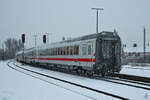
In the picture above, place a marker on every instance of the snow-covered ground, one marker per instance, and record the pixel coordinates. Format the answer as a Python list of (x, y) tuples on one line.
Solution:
[(136, 70), (18, 86), (120, 90)]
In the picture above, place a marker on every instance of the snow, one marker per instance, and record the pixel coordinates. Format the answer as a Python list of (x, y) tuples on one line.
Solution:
[(121, 90), (136, 70), (18, 86)]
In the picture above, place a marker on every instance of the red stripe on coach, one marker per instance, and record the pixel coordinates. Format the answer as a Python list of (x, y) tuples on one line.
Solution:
[(67, 59)]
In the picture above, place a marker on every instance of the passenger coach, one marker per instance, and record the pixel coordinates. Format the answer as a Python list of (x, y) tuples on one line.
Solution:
[(91, 54)]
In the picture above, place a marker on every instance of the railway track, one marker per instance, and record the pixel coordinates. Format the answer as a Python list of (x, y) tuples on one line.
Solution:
[(132, 77), (72, 83), (121, 77), (130, 81), (136, 68), (127, 83), (117, 80)]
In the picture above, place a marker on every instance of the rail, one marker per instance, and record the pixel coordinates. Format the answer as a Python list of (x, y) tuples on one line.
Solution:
[(132, 77), (72, 83)]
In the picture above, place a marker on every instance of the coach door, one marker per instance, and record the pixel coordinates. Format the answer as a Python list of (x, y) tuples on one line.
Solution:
[(89, 53), (84, 54), (113, 52), (98, 51)]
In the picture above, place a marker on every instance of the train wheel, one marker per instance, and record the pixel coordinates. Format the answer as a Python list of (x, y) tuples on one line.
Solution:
[(91, 73), (103, 72), (79, 71)]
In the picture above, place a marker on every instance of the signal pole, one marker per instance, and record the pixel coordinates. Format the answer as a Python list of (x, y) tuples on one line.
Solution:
[(48, 39), (97, 9)]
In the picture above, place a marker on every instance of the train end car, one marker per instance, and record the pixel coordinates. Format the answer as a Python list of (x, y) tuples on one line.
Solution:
[(108, 53), (90, 54)]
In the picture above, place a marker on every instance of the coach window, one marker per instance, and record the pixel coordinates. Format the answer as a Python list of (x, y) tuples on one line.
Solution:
[(89, 49), (62, 53), (58, 51), (32, 53), (71, 50), (50, 51), (84, 49), (47, 52), (63, 50), (67, 50), (54, 51), (76, 50)]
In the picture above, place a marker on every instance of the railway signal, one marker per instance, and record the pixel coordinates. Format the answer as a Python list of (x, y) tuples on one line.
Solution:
[(134, 45), (44, 38), (23, 38), (124, 45)]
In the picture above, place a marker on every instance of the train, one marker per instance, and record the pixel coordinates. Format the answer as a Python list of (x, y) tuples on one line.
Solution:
[(98, 54)]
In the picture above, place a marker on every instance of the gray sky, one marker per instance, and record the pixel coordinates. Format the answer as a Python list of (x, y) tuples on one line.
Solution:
[(73, 18)]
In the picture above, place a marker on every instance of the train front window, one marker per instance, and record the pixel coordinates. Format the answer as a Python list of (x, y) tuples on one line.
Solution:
[(108, 49)]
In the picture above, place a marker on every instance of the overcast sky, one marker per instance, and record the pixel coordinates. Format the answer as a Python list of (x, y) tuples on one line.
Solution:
[(73, 18)]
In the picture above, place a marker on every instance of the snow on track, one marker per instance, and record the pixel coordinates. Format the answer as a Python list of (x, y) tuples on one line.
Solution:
[(17, 86), (136, 70)]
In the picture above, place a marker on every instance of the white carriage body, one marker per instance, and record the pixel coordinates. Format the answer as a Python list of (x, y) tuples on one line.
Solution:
[(96, 52), (86, 59)]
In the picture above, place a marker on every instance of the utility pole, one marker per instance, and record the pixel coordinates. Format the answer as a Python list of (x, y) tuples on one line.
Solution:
[(97, 9), (35, 36), (144, 45)]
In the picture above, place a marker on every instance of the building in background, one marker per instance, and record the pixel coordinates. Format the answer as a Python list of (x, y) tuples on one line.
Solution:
[(136, 55)]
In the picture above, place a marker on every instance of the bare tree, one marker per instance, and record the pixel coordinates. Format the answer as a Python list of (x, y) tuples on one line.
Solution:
[(11, 47)]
